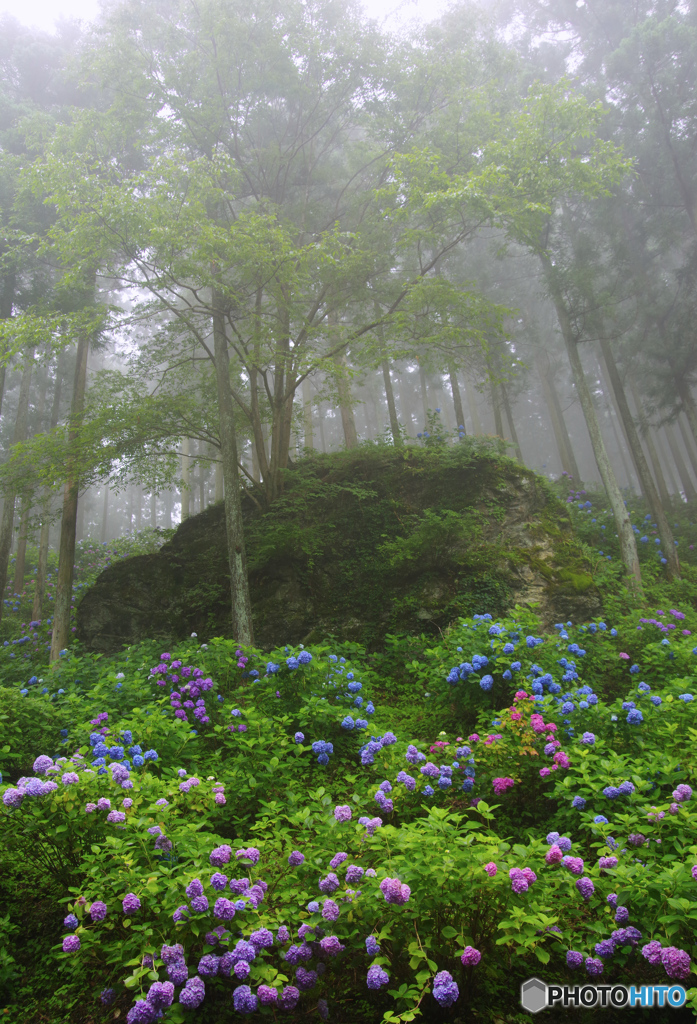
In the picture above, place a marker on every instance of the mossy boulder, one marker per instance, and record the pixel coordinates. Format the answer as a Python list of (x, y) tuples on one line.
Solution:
[(363, 543)]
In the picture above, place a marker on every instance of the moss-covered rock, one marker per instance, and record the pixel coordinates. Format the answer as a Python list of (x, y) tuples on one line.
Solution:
[(363, 543)]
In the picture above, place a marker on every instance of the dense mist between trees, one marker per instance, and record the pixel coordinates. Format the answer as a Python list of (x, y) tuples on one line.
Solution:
[(235, 234)]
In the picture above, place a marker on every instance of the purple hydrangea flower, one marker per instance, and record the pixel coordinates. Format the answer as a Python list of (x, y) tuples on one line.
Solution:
[(283, 934), (296, 858), (605, 948), (338, 859), (208, 965), (445, 990), (262, 938), (267, 996), (70, 921), (193, 993), (377, 977), (652, 952), (594, 967), (354, 873), (161, 995), (244, 999), (71, 944), (574, 959), (395, 891), (142, 1012), (342, 812), (471, 956), (289, 997), (306, 980), (372, 946), (330, 910), (131, 903), (98, 910), (220, 855), (329, 884), (585, 887), (676, 963), (171, 954), (199, 904), (331, 945)]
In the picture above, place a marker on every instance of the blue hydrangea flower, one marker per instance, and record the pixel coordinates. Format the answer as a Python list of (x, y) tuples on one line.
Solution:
[(578, 803), (486, 682), (600, 819)]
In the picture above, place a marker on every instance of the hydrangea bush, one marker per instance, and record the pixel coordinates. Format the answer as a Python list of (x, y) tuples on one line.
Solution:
[(296, 838)]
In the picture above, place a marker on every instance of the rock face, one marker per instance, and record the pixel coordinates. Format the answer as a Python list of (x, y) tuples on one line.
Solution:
[(361, 544)]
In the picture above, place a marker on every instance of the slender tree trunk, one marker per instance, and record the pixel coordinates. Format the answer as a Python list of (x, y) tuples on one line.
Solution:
[(666, 462), (45, 535), (642, 467), (169, 502), (689, 407), (472, 404), (688, 442), (80, 527), (511, 424), (345, 405), (651, 447), (40, 582), (391, 407), (559, 412), (186, 474), (242, 629), (457, 399), (8, 508), (561, 435), (614, 411), (105, 513), (309, 437), (496, 406), (219, 491), (424, 394), (622, 522), (21, 560), (7, 295), (66, 548), (687, 485), (153, 509), (320, 417)]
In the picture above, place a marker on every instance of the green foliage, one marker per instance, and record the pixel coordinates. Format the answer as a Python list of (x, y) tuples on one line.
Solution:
[(238, 772)]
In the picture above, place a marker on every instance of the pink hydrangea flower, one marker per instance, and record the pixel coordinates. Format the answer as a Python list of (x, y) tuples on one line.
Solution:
[(491, 869)]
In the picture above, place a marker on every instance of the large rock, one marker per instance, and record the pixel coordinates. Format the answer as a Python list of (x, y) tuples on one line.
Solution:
[(362, 544)]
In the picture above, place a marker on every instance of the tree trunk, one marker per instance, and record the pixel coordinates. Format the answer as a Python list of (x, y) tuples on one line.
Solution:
[(496, 406), (561, 435), (457, 399), (186, 472), (511, 424), (105, 513), (45, 535), (7, 295), (391, 407), (622, 522), (309, 438), (322, 438), (689, 407), (40, 582), (683, 472), (667, 465), (653, 455), (687, 441), (345, 406), (153, 509), (21, 560), (8, 508), (642, 467), (66, 548), (424, 394), (242, 629), (472, 403), (615, 412)]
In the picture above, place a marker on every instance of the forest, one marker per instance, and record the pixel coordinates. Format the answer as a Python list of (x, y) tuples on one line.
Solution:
[(337, 362)]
